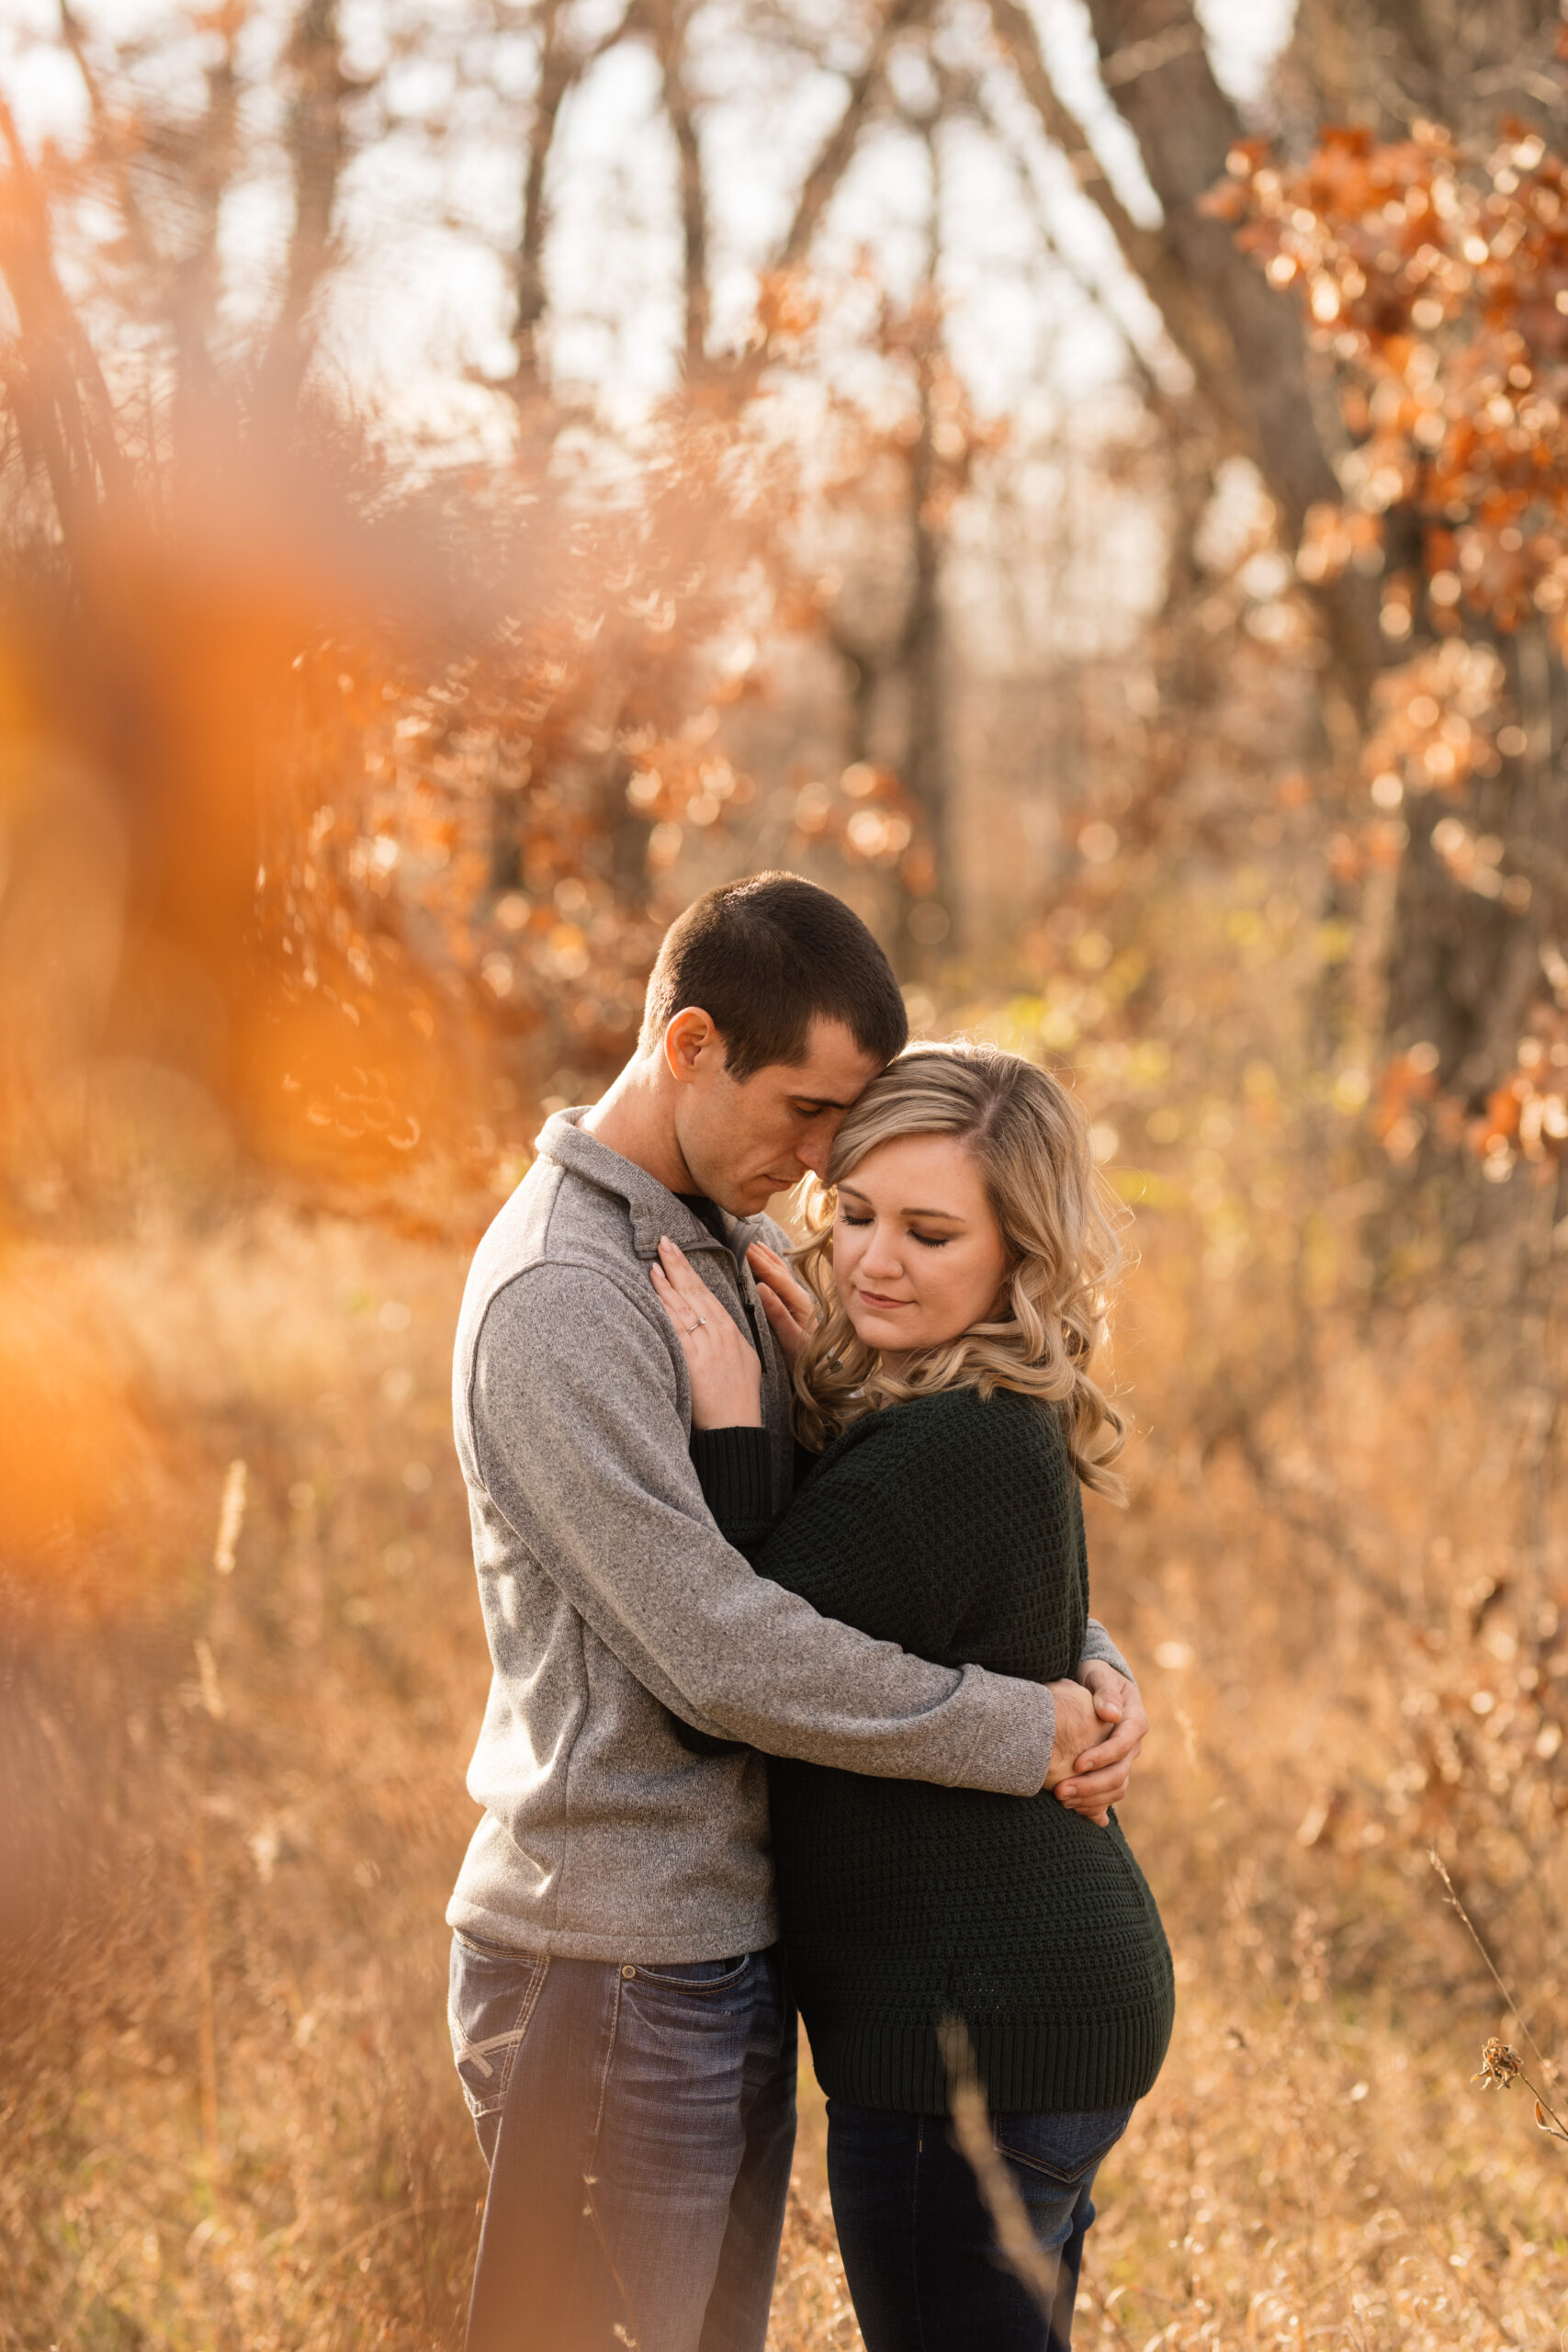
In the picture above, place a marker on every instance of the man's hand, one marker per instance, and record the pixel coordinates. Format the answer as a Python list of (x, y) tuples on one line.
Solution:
[(1099, 1775), (1076, 1727), (1090, 1769)]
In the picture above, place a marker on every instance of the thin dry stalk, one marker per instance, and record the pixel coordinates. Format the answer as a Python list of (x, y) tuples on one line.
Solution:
[(231, 1519), (207, 2035), (1512, 2007), (1038, 2272), (1499, 2063)]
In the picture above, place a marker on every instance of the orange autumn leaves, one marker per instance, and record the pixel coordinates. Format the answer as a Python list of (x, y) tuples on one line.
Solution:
[(1437, 284), (1441, 286)]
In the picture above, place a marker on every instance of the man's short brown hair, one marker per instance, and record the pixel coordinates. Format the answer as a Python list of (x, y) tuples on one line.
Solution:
[(765, 958)]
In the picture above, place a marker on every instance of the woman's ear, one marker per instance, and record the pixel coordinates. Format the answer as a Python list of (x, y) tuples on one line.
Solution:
[(1004, 1306)]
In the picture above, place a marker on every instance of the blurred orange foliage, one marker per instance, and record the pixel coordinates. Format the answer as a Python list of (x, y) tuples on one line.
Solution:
[(1438, 283)]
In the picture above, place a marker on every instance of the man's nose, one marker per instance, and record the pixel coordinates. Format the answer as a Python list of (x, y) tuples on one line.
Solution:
[(816, 1147)]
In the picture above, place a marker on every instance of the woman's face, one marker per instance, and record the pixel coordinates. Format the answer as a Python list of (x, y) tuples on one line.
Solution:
[(917, 1254)]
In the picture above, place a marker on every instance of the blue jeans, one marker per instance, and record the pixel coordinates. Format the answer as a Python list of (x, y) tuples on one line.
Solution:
[(919, 2246), (639, 2123)]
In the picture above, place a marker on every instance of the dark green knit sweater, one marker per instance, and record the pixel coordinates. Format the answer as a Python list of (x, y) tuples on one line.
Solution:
[(953, 1527)]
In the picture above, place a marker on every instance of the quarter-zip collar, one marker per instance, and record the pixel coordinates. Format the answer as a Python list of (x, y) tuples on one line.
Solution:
[(655, 1211)]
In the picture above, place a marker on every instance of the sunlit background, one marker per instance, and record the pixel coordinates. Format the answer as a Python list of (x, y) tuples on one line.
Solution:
[(1084, 481)]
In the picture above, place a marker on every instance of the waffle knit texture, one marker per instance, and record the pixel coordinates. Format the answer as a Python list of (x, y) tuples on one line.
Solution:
[(954, 1527)]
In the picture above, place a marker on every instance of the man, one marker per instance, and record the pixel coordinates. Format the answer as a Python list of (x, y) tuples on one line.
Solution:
[(619, 2016)]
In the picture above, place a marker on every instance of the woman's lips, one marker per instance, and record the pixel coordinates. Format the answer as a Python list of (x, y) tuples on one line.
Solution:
[(871, 1298)]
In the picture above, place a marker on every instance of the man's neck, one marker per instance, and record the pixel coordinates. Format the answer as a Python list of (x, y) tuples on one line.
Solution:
[(633, 1118)]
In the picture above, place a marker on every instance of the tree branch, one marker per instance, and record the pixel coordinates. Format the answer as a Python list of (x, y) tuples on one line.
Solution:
[(1197, 332), (837, 151)]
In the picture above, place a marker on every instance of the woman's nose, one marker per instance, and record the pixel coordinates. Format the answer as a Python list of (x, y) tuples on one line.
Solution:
[(880, 1256)]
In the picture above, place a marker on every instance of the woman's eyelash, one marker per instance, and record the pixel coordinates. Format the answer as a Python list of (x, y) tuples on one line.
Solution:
[(926, 1240)]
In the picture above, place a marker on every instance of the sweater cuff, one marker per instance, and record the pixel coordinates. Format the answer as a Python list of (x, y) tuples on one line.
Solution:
[(735, 1470), (1098, 1649)]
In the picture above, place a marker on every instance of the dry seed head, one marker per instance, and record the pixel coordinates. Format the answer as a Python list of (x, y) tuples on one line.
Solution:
[(1498, 2063)]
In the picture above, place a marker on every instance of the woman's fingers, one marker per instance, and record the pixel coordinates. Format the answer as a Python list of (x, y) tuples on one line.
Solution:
[(683, 1279), (673, 1286), (726, 1372), (699, 1317), (791, 1329), (787, 1329), (788, 1305), (767, 1264), (670, 1300)]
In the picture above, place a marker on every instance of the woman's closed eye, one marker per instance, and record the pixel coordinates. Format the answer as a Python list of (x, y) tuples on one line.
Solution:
[(927, 1241)]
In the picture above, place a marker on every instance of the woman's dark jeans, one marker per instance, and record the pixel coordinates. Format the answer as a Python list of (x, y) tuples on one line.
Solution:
[(919, 2250)]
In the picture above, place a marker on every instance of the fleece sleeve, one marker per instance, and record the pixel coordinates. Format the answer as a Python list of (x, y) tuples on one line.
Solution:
[(579, 1424)]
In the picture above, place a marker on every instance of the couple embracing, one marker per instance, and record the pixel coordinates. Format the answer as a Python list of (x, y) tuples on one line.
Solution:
[(797, 1697)]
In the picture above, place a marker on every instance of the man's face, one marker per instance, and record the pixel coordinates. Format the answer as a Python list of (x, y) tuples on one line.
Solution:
[(743, 1141)]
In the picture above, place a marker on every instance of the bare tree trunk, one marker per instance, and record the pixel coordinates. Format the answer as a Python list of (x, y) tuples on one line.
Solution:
[(1387, 62), (196, 273), (669, 20), (559, 70), (316, 150), (921, 654), (64, 414), (1154, 62), (1465, 968)]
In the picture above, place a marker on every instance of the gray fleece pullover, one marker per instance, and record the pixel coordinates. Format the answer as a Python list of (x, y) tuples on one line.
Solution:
[(609, 1598)]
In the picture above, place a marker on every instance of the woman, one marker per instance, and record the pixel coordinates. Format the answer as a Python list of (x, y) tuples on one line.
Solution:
[(945, 1376)]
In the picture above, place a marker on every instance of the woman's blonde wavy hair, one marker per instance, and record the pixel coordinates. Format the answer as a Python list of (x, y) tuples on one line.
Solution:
[(1059, 1220)]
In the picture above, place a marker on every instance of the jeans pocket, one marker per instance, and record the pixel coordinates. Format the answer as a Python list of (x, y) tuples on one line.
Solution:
[(1064, 2148), (702, 1978), (490, 1999)]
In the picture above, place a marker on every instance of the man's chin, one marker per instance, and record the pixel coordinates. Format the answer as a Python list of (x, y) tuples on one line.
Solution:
[(775, 1187), (754, 1195), (744, 1195)]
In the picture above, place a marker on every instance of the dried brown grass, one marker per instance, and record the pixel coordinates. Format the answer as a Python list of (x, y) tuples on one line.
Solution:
[(228, 2111)]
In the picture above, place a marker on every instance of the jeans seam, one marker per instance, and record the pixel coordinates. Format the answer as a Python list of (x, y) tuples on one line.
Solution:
[(511, 2041), (588, 2179), (915, 2235), (1043, 2167)]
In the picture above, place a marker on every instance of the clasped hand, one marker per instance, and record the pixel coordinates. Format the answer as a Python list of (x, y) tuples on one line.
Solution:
[(1101, 1723)]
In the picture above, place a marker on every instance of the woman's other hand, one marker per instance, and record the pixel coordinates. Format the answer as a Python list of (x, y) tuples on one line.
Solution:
[(788, 1305), (726, 1374)]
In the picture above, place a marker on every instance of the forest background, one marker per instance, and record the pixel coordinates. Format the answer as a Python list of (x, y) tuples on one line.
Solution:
[(1083, 479)]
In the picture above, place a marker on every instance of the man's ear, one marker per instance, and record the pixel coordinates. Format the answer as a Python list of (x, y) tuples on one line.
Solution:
[(687, 1037)]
